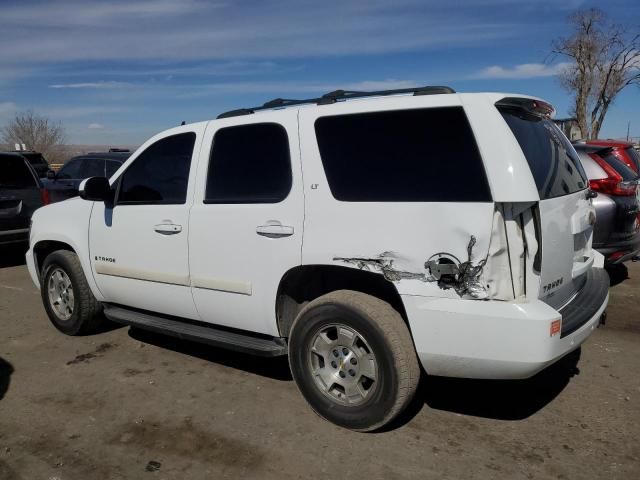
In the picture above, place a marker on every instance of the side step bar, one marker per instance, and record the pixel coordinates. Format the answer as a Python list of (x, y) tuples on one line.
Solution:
[(186, 330)]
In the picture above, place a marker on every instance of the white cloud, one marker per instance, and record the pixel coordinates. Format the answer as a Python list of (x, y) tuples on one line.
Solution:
[(7, 108), (525, 70), (91, 85), (71, 30), (95, 126)]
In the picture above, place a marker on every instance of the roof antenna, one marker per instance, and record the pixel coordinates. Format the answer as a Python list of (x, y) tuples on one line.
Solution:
[(183, 123)]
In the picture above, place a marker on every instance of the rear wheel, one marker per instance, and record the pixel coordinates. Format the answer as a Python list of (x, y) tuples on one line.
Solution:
[(352, 358), (66, 295)]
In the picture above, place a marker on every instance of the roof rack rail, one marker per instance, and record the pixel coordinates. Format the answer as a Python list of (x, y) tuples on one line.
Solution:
[(337, 95)]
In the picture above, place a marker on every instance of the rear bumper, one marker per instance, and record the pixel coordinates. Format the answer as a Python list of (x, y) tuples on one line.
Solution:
[(19, 235), (630, 249), (500, 340)]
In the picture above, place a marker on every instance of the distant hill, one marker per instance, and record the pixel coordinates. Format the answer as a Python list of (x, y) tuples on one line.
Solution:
[(65, 152)]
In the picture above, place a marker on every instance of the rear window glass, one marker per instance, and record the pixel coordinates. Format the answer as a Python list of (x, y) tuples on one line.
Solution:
[(554, 163), (421, 155), (14, 173), (619, 166), (635, 156)]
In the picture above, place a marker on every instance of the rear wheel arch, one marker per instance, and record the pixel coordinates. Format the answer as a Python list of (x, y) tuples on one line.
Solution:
[(303, 284)]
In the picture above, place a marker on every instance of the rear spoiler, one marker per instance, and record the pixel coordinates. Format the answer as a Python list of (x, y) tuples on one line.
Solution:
[(528, 105)]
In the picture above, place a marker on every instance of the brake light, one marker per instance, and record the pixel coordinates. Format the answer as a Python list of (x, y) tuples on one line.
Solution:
[(44, 194), (613, 184)]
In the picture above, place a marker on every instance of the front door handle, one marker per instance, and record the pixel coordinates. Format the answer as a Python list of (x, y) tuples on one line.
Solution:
[(274, 230), (167, 228)]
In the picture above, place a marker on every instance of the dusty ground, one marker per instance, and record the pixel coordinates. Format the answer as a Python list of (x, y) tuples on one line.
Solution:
[(126, 404)]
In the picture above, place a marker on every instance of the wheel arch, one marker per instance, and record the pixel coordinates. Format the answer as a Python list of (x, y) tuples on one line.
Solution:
[(304, 283)]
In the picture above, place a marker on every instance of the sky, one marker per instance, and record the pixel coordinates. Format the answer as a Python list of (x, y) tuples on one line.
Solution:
[(119, 71)]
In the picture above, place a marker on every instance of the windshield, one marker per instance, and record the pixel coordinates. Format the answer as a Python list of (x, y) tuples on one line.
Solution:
[(554, 163)]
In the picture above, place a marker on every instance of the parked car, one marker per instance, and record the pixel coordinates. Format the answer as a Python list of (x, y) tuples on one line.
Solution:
[(37, 161), (617, 230), (21, 193), (64, 183), (430, 227), (623, 151)]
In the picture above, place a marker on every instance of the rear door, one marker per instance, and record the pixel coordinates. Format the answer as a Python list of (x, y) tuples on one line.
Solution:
[(246, 220), (19, 194), (566, 215)]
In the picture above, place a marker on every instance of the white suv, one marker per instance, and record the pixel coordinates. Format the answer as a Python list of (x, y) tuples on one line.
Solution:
[(362, 234)]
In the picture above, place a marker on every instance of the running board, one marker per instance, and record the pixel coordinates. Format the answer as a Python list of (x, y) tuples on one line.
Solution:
[(186, 330)]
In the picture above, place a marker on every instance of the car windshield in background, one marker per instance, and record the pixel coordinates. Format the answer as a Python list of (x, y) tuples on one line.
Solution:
[(554, 163), (14, 172)]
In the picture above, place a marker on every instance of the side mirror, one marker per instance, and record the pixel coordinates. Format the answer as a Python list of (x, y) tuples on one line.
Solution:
[(96, 189), (51, 175)]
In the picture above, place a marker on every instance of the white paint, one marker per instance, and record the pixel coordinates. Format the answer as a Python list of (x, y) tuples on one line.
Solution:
[(223, 263)]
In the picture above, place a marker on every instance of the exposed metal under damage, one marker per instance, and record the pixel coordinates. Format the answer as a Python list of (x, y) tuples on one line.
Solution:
[(444, 268)]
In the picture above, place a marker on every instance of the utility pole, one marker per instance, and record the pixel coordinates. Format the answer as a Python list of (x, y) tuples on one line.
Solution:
[(628, 127)]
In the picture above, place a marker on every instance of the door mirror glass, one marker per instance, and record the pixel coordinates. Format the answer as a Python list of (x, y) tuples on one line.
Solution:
[(51, 175), (96, 189)]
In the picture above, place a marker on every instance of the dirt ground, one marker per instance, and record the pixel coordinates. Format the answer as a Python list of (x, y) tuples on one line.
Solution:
[(128, 404)]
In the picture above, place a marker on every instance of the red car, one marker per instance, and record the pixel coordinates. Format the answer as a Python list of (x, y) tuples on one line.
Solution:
[(623, 151)]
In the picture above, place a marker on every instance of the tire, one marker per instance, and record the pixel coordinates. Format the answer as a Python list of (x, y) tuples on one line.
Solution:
[(355, 326), (83, 313)]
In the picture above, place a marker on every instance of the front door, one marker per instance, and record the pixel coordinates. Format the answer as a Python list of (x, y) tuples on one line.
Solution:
[(139, 249), (246, 220)]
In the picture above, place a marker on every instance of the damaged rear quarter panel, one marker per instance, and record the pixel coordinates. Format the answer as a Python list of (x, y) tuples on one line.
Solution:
[(398, 240)]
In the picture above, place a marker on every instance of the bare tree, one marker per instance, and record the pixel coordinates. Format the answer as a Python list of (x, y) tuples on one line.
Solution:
[(37, 133), (605, 59)]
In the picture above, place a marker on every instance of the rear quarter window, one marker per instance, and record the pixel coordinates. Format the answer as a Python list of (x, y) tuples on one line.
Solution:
[(14, 173), (421, 155), (554, 163)]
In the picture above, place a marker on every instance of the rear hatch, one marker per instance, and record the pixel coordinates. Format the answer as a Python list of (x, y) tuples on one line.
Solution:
[(564, 214), (20, 194)]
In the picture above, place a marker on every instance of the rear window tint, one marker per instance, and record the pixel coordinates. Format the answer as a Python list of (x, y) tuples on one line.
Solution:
[(635, 156), (553, 162), (14, 173), (619, 166), (421, 155)]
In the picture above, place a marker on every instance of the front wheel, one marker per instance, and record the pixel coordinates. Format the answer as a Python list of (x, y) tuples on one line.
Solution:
[(353, 359), (66, 295)]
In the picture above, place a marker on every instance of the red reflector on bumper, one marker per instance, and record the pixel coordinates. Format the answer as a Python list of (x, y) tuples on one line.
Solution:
[(556, 326)]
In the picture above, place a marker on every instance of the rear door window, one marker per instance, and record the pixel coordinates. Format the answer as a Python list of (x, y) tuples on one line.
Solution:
[(553, 162), (249, 164), (419, 155), (14, 173)]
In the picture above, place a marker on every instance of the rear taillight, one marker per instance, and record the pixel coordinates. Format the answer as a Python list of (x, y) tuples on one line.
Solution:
[(613, 184), (44, 194)]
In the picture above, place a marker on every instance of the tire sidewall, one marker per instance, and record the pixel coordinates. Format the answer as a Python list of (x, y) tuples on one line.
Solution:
[(73, 325), (375, 409)]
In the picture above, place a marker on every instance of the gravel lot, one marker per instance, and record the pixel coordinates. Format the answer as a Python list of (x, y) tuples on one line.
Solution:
[(128, 404)]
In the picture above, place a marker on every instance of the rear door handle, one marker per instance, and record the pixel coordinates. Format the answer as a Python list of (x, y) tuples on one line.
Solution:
[(274, 230), (167, 228)]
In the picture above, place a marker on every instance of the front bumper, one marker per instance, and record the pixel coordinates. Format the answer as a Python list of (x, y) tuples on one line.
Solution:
[(31, 267), (500, 340)]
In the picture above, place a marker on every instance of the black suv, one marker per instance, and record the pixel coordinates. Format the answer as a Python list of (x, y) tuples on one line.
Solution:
[(64, 184), (21, 193), (36, 160)]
